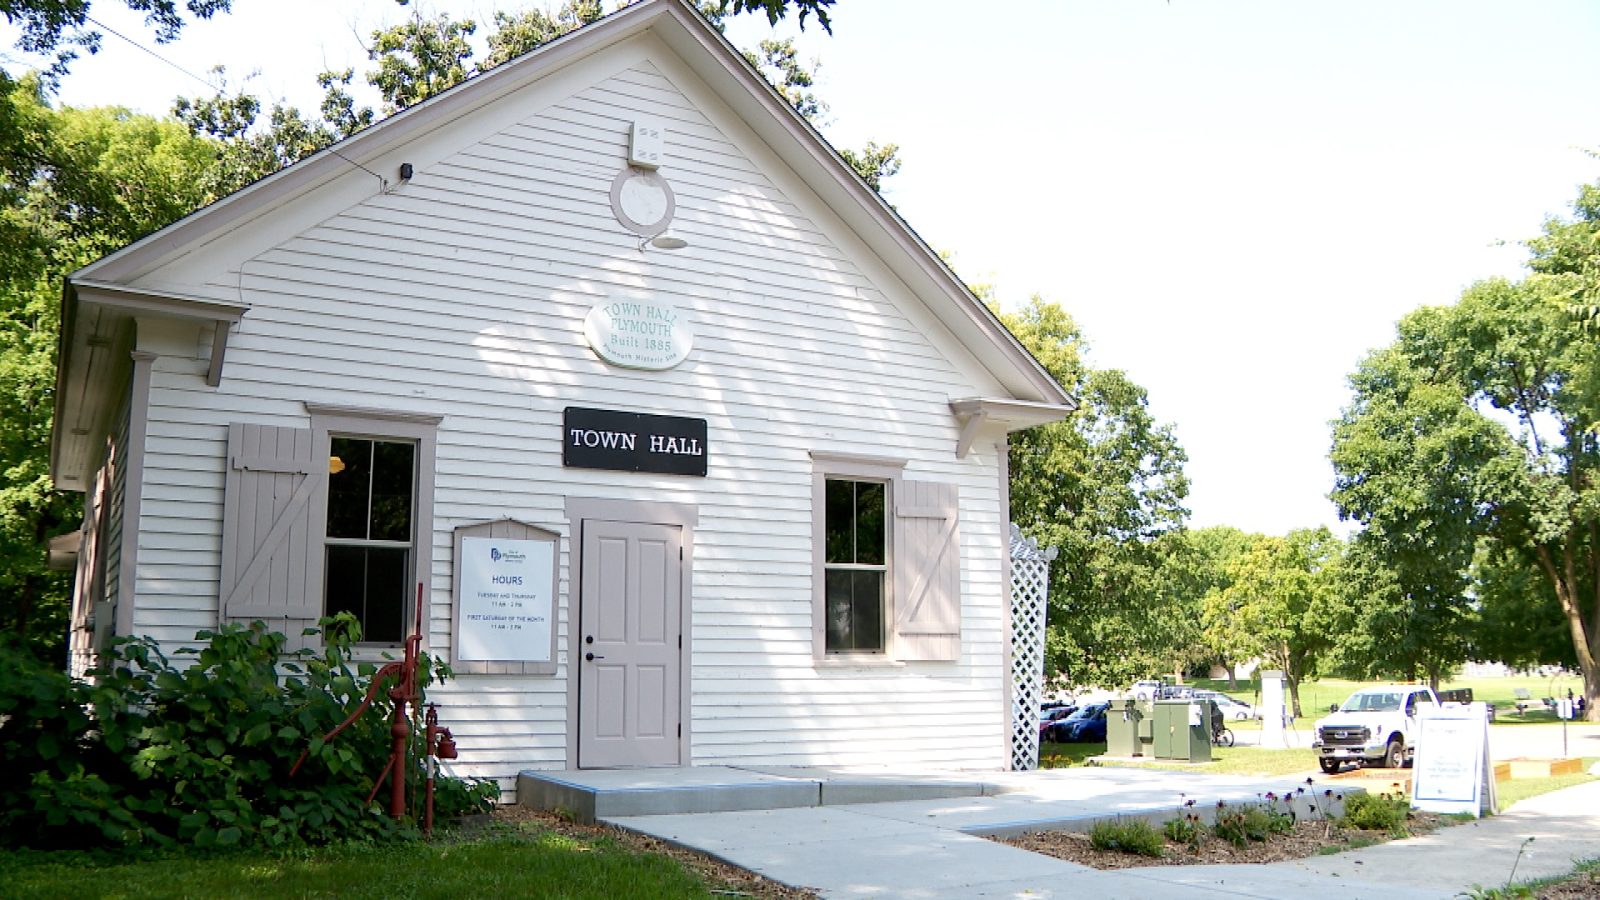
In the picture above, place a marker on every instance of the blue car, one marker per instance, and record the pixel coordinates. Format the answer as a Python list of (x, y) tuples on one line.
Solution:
[(1084, 726)]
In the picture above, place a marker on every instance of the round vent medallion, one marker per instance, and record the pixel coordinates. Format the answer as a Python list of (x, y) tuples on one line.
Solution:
[(642, 201)]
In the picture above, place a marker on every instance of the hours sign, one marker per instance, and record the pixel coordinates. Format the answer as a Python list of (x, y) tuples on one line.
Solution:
[(506, 600)]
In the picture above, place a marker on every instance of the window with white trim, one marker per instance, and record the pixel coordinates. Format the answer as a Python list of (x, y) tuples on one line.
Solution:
[(887, 553), (370, 540), (855, 565), (331, 518)]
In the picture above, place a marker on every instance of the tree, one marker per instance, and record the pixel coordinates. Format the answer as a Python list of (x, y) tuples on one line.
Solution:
[(1566, 258), (47, 27), (1406, 454), (775, 9), (421, 57), (1282, 603), (1518, 620), (245, 153), (56, 27), (516, 34), (1477, 433), (1106, 487), (90, 182), (1200, 571), (424, 56)]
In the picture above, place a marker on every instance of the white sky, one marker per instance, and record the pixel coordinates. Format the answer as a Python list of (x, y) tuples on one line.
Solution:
[(1235, 199)]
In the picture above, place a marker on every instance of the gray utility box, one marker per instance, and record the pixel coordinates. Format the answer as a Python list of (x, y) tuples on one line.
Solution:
[(1181, 729), (1122, 728)]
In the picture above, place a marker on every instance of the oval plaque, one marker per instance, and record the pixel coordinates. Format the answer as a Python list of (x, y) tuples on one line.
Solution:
[(638, 334)]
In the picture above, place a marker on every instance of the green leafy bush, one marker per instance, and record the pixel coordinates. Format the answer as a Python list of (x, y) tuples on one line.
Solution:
[(1376, 812), (152, 753), (464, 796), (1241, 824), (1127, 836), (1185, 830)]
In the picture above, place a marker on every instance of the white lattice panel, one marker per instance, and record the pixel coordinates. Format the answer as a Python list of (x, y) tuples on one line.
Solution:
[(1030, 583)]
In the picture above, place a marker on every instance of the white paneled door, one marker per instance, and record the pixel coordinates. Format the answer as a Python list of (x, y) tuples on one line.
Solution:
[(629, 649)]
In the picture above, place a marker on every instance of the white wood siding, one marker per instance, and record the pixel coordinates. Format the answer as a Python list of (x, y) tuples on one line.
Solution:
[(463, 292)]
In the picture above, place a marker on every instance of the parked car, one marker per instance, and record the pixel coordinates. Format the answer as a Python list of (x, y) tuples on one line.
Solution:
[(1230, 707), (1050, 716), (1145, 690), (1087, 725), (1377, 726)]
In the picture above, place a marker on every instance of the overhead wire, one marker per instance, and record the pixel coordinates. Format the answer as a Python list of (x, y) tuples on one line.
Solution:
[(382, 182), (115, 33)]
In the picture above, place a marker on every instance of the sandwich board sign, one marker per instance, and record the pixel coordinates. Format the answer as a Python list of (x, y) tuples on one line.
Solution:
[(1452, 773)]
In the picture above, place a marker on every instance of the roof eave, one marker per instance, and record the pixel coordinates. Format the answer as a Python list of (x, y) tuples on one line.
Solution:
[(807, 150)]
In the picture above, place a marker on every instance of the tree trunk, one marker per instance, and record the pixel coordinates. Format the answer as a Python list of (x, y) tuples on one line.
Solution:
[(1233, 677), (1585, 635), (1294, 668)]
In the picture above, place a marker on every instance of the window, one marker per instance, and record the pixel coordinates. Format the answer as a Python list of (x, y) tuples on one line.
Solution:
[(855, 564), (337, 517), (886, 562), (370, 539)]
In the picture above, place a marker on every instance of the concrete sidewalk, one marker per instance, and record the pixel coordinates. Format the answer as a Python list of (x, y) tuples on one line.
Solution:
[(931, 848)]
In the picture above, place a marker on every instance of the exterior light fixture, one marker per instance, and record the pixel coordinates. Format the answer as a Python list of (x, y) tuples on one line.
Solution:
[(666, 241)]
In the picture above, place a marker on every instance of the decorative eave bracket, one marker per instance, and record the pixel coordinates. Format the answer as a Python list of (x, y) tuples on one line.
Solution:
[(978, 414), (139, 301)]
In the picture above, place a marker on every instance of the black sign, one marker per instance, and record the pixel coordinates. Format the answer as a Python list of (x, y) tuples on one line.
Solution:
[(632, 442)]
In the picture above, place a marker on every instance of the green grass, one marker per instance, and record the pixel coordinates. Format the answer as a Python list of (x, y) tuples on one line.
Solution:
[(1242, 761), (1127, 836), (1586, 873), (504, 863), (1316, 696), (1515, 790), (1224, 760), (1055, 756)]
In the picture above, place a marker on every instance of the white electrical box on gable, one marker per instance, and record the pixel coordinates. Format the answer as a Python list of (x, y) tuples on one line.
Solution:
[(646, 144)]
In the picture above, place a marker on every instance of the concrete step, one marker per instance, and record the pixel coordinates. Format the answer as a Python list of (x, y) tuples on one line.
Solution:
[(589, 795)]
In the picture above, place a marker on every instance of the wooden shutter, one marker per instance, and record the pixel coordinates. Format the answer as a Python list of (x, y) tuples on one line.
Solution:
[(927, 575), (271, 559)]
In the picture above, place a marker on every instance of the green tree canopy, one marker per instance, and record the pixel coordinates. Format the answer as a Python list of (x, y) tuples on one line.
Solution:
[(1106, 487), (1476, 434), (1282, 603), (57, 29), (91, 181), (1199, 570), (425, 55)]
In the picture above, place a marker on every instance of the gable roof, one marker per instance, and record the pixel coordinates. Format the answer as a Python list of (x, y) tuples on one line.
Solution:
[(95, 288)]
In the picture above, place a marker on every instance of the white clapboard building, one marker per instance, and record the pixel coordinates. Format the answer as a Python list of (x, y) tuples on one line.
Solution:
[(691, 451)]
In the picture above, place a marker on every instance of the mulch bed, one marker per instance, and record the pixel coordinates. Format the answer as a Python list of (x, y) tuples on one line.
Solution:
[(1309, 838), (1583, 886), (721, 878)]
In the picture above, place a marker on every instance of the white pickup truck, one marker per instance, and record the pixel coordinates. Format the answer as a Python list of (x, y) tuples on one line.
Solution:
[(1375, 727)]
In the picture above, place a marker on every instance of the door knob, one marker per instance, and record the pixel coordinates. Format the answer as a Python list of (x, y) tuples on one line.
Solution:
[(591, 657)]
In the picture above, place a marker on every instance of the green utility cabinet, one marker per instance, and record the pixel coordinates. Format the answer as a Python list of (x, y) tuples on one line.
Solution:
[(1181, 729), (1122, 728)]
